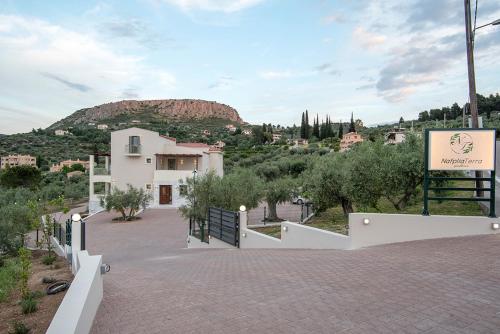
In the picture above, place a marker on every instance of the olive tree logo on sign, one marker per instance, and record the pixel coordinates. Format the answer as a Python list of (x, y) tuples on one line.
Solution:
[(461, 143)]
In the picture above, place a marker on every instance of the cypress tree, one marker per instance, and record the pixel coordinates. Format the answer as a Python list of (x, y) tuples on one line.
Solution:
[(302, 127), (316, 127), (352, 126), (307, 132), (341, 130)]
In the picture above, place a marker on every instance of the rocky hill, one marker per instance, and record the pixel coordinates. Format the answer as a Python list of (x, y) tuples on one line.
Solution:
[(168, 110)]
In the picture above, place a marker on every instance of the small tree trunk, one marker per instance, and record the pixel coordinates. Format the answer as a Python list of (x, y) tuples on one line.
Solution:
[(347, 206), (124, 215), (273, 216)]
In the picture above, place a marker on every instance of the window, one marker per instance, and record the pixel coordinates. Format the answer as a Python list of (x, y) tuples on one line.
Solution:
[(171, 165), (183, 190), (148, 161), (149, 186), (134, 143)]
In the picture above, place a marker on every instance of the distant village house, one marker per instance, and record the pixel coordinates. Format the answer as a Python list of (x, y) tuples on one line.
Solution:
[(68, 163), (17, 160), (220, 144), (350, 139), (396, 136), (102, 126), (230, 128), (60, 132)]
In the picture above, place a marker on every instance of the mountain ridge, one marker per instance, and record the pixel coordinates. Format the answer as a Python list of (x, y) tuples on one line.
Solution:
[(166, 109)]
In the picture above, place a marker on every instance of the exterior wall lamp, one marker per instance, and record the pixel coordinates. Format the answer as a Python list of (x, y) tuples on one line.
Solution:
[(285, 228), (244, 235), (366, 221), (495, 226)]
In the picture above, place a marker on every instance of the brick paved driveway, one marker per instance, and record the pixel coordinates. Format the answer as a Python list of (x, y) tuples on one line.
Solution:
[(156, 286)]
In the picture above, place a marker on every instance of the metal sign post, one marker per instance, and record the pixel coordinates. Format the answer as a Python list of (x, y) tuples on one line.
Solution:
[(467, 149)]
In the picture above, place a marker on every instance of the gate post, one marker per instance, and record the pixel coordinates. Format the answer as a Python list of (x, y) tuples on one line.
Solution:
[(243, 224)]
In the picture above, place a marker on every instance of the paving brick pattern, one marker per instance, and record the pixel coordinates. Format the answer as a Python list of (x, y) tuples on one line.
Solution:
[(156, 286)]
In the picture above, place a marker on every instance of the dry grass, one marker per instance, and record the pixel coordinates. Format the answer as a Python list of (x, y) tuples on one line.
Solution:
[(38, 322)]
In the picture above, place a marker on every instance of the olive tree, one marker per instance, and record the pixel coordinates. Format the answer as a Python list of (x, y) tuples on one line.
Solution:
[(126, 202), (276, 192), (201, 194), (404, 172), (241, 187), (325, 183)]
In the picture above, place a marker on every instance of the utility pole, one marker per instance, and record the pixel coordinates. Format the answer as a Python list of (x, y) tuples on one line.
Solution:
[(469, 35), (470, 65)]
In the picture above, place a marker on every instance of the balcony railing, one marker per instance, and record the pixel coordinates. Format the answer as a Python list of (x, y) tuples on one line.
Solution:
[(133, 149), (101, 171)]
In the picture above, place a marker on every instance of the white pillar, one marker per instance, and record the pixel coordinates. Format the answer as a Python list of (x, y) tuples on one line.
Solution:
[(106, 163), (76, 232), (243, 221)]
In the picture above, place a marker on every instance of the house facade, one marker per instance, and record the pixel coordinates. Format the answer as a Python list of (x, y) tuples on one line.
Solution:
[(349, 139), (396, 136), (158, 164), (17, 160)]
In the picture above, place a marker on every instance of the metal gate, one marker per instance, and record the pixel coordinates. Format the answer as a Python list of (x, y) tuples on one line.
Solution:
[(224, 225)]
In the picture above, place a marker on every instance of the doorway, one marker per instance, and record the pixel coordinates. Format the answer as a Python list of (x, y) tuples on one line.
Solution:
[(165, 194)]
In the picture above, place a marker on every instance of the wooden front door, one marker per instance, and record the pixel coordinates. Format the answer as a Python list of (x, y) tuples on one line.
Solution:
[(165, 194)]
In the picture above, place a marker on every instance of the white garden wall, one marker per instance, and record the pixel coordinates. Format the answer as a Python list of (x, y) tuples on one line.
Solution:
[(391, 228), (381, 229), (80, 304), (303, 236)]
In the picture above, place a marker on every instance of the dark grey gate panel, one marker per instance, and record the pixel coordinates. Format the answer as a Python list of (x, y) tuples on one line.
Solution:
[(224, 225)]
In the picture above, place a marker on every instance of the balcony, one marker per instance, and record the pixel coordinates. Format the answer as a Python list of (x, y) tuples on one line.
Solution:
[(133, 150), (101, 171)]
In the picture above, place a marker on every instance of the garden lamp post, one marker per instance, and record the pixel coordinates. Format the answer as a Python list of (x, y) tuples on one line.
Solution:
[(469, 35)]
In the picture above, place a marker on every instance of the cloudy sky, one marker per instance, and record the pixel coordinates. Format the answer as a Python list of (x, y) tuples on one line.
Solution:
[(270, 59)]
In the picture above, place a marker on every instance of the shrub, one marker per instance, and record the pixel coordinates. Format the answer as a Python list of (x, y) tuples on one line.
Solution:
[(25, 259), (29, 304), (19, 328), (48, 259)]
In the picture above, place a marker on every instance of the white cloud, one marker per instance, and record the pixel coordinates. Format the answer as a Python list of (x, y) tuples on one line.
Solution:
[(366, 39), (53, 71), (227, 6)]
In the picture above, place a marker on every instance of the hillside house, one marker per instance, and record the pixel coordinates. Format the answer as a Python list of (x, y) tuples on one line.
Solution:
[(276, 137), (299, 142), (103, 127), (231, 128), (396, 136), (247, 132), (206, 132), (219, 144), (350, 139), (17, 160), (156, 163), (68, 163), (60, 132)]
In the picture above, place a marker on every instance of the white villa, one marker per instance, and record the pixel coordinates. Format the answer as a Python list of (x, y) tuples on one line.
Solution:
[(396, 136), (156, 163)]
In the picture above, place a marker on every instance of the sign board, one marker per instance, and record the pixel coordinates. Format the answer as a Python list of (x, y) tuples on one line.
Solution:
[(462, 149)]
